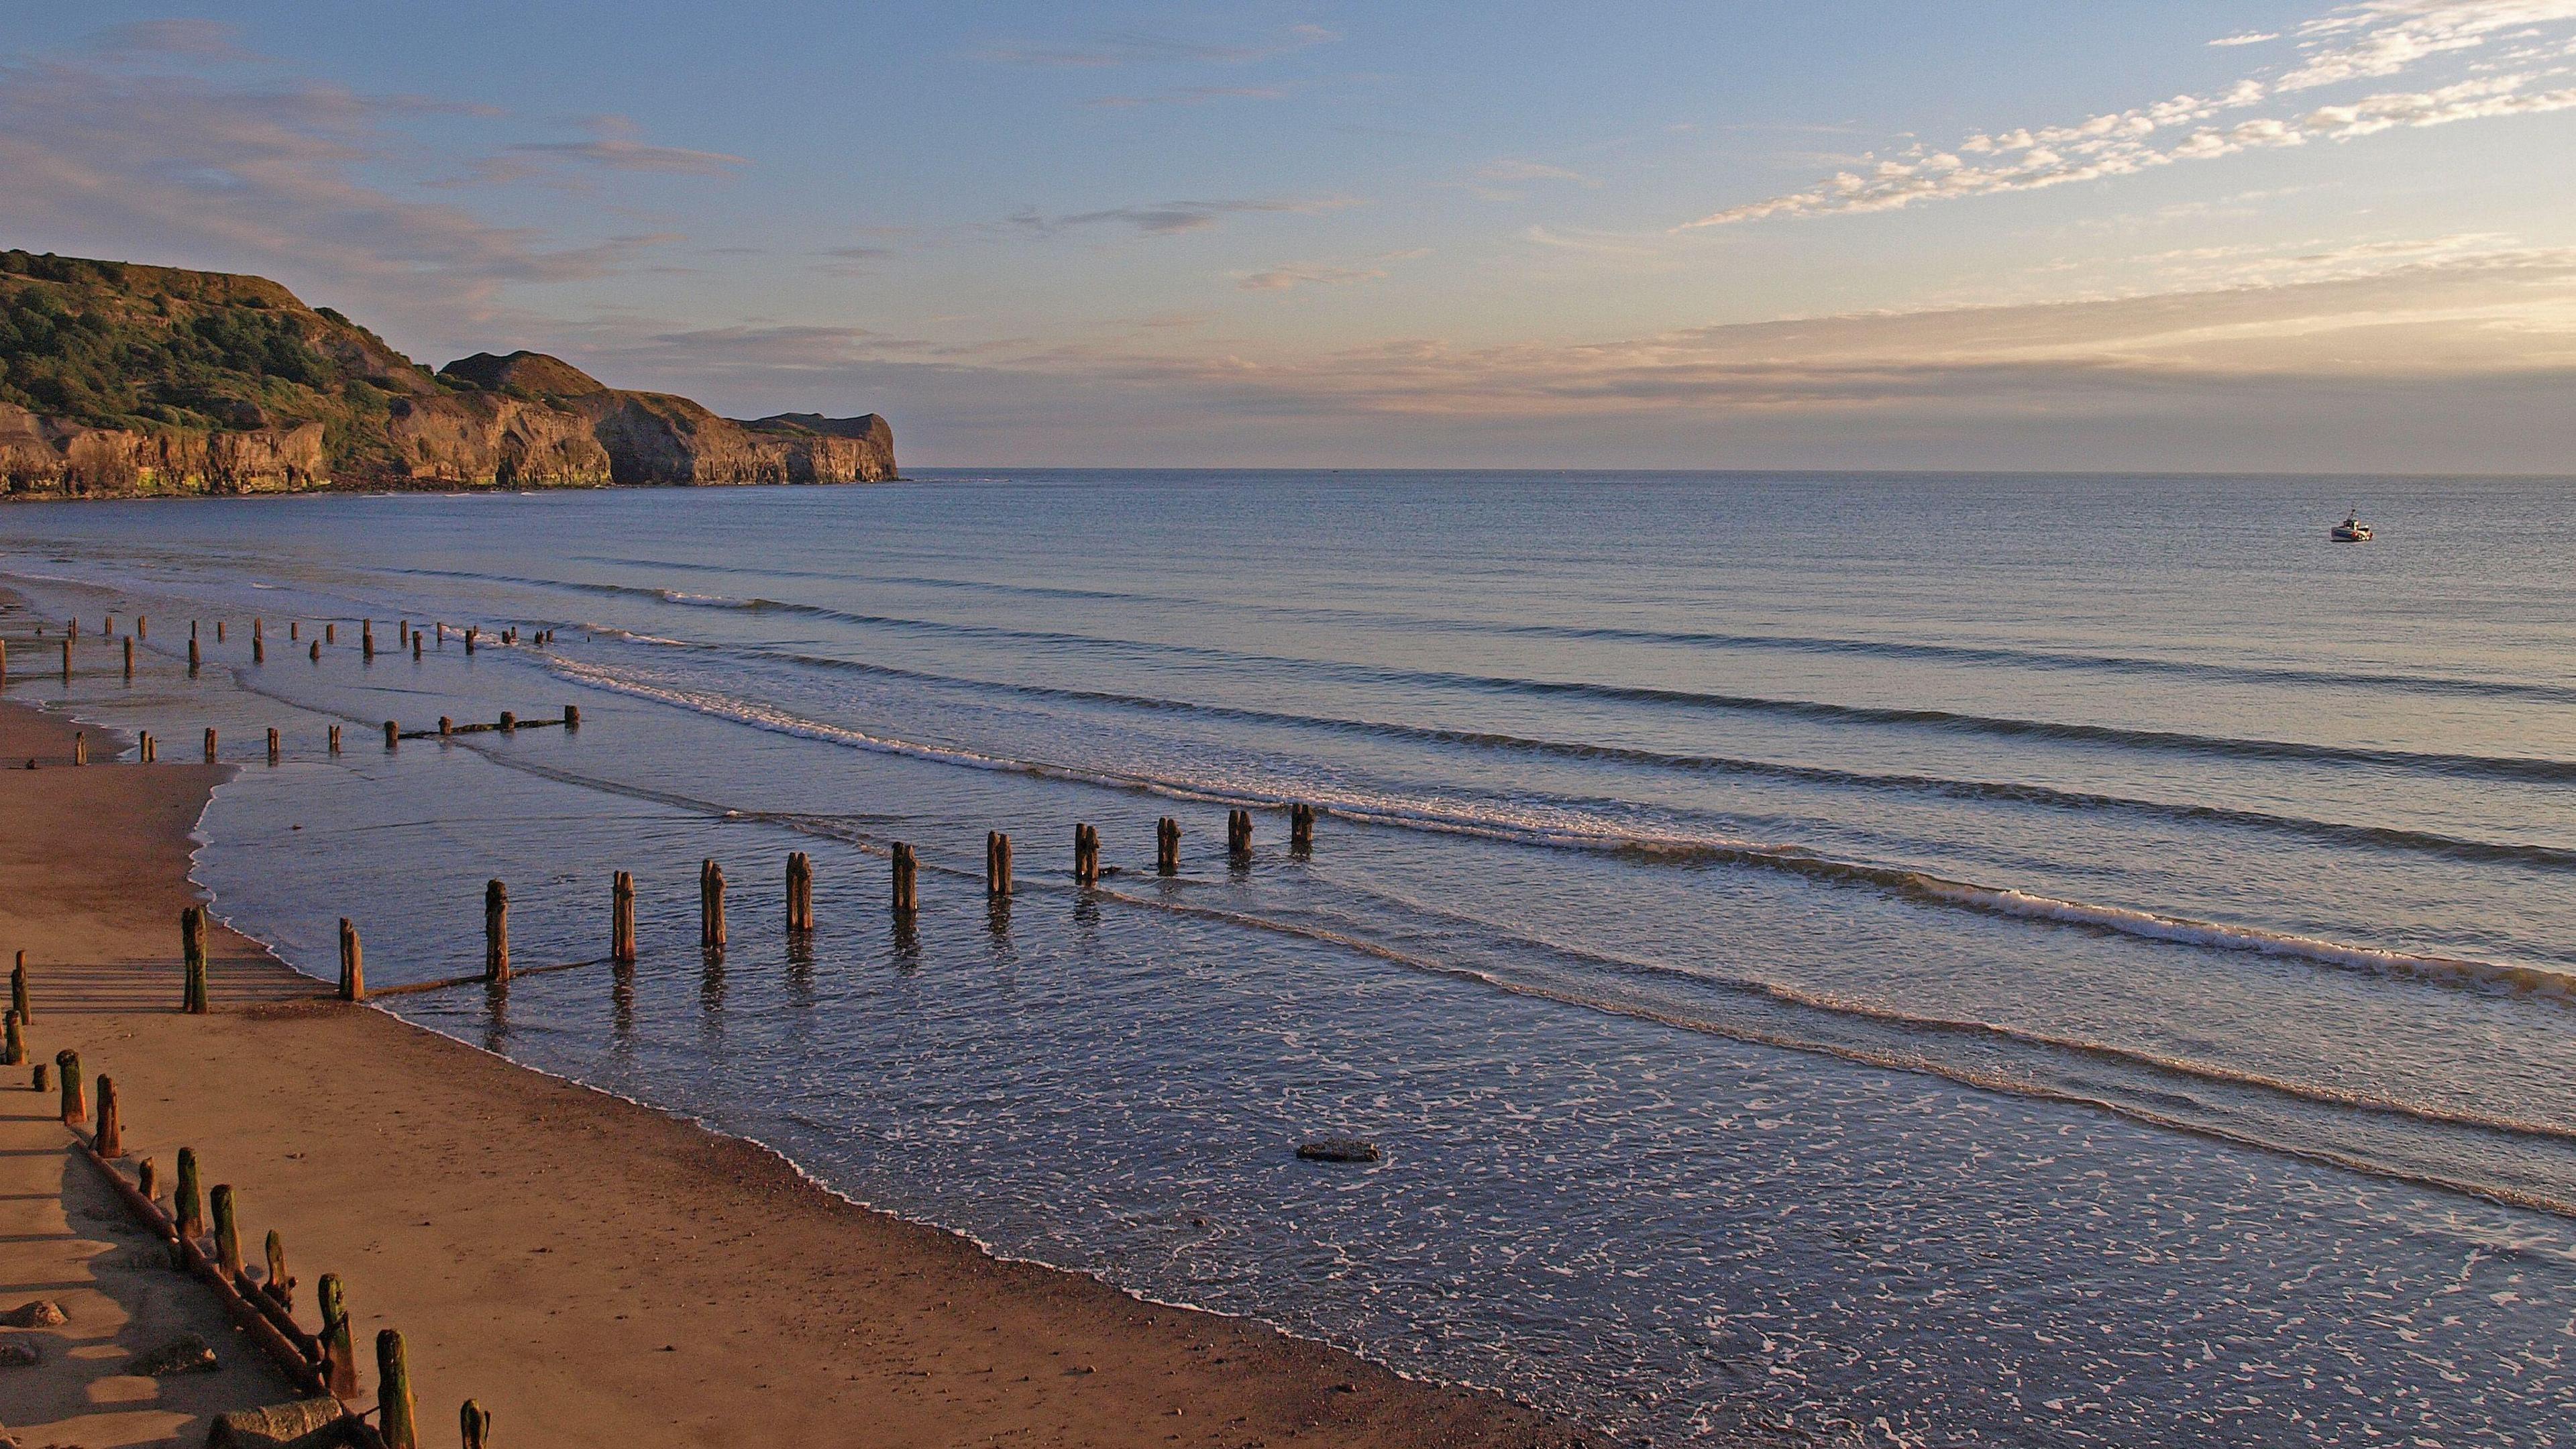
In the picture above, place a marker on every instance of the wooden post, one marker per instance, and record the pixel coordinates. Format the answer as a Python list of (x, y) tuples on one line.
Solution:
[(13, 1048), (139, 623), (315, 652), (187, 1210), (272, 745), (367, 639), (441, 625), (219, 1206), (446, 727), (43, 1078), (76, 1094), (1301, 826), (18, 1001), (395, 1410), (496, 932), (210, 745), (572, 716), (330, 633), (143, 748), (192, 951), (258, 650), (280, 1285), (469, 638), (353, 963), (415, 643), (509, 722), (711, 921), (335, 739), (997, 863), (339, 1355), (80, 747), (294, 629), (800, 891), (621, 919), (1238, 833), (147, 1180), (192, 656), (219, 631), (907, 880), (474, 1422), (392, 734), (1167, 846), (67, 659), (129, 656), (75, 1089), (1086, 856), (109, 1140)]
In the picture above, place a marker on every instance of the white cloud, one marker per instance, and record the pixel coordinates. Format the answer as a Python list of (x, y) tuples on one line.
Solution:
[(1291, 275), (2250, 38), (2373, 39)]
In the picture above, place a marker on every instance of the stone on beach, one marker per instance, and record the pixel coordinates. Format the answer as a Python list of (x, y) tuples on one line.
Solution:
[(185, 1354), (36, 1313)]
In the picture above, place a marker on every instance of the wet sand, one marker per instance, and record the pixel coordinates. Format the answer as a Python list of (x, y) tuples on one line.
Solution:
[(593, 1271)]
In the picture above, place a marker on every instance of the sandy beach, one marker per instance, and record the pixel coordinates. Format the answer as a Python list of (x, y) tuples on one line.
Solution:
[(591, 1270)]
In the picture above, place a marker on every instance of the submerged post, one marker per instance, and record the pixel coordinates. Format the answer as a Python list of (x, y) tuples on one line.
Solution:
[(330, 633), (367, 639), (109, 1139), (335, 739), (997, 863), (1086, 855), (509, 722), (272, 745), (415, 643), (353, 963), (395, 1411), (572, 716), (392, 734), (219, 631), (907, 880), (210, 745), (621, 919), (67, 659), (496, 931), (192, 656), (192, 954), (1167, 846), (314, 653), (1301, 826), (800, 891), (1238, 833), (711, 921)]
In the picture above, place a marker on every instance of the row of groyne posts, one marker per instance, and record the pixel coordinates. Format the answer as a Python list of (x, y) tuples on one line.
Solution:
[(203, 1231), (405, 637), (148, 746)]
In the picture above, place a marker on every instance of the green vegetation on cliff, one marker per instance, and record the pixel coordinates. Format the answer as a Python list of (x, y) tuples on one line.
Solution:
[(122, 378)]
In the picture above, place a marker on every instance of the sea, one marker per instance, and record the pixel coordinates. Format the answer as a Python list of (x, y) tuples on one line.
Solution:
[(1868, 959)]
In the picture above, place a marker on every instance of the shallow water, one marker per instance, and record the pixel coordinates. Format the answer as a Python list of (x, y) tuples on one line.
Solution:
[(1902, 959)]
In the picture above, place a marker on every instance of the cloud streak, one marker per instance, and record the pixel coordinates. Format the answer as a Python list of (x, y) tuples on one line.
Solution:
[(2371, 40), (1140, 49), (1168, 218)]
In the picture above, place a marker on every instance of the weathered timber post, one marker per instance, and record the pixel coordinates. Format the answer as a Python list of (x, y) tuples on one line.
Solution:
[(43, 1078), (80, 747), (446, 727), (1167, 846), (572, 716), (13, 1049), (315, 652), (1086, 855), (469, 638), (258, 650), (75, 1088), (129, 656), (219, 1206), (395, 1411), (330, 633), (415, 643), (711, 921), (1301, 827), (335, 739), (800, 891), (294, 629), (353, 963), (339, 1355), (474, 1422), (272, 745), (997, 863), (187, 1210), (192, 954), (147, 1180), (139, 623), (210, 745), (621, 919), (280, 1285), (367, 640), (18, 1001), (496, 931), (67, 659), (392, 734), (509, 722), (907, 880), (1238, 833), (442, 632), (109, 1139), (192, 656), (143, 748), (219, 631)]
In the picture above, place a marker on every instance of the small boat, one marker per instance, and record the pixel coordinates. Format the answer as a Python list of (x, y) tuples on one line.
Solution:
[(2351, 530)]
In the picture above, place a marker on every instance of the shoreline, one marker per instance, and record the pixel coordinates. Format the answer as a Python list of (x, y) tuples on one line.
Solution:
[(593, 1269)]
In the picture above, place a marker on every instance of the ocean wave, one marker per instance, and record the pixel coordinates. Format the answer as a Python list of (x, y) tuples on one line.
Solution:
[(1915, 885)]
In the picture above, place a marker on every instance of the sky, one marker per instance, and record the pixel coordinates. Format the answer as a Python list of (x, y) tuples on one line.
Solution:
[(2125, 235)]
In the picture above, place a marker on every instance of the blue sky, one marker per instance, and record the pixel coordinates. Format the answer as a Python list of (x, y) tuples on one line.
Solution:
[(2132, 235)]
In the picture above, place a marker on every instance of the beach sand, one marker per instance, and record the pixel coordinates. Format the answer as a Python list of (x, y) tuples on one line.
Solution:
[(593, 1271)]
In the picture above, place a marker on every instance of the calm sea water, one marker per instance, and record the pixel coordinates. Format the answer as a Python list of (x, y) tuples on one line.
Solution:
[(1894, 960)]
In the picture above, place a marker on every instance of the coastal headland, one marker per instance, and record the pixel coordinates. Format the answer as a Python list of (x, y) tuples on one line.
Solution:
[(122, 380), (592, 1271)]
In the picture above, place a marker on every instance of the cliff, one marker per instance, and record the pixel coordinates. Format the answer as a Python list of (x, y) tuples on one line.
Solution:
[(126, 380)]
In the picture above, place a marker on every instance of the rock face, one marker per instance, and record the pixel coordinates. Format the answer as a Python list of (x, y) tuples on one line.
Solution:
[(119, 380)]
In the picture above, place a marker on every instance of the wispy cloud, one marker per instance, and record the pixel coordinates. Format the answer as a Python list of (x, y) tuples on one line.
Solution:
[(614, 146), (195, 40), (1515, 169), (1167, 218), (1135, 49), (2251, 37), (1291, 275), (2370, 40), (1191, 96)]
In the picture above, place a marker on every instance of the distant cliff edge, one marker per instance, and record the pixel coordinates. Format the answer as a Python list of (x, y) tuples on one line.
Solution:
[(120, 380)]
